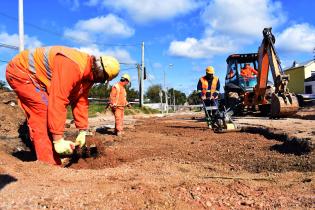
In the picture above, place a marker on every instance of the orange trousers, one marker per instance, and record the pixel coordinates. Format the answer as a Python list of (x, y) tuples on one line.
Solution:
[(34, 101), (119, 118)]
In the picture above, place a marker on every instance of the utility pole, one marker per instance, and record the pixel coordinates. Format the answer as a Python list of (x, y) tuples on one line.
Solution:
[(165, 92), (161, 98), (165, 88), (21, 26), (174, 99), (142, 74)]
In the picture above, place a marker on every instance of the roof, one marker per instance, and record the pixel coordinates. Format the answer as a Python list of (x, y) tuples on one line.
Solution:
[(243, 58), (298, 65), (310, 79)]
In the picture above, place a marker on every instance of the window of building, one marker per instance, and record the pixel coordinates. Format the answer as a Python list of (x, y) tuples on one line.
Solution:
[(308, 89)]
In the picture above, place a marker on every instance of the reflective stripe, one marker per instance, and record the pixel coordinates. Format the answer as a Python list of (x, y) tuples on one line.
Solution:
[(118, 93), (46, 62), (31, 62)]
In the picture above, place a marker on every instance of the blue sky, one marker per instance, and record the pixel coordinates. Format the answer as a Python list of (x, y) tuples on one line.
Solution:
[(190, 34)]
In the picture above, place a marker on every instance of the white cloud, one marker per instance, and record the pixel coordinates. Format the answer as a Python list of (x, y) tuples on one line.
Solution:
[(203, 48), (243, 17), (297, 38), (150, 10), (228, 26), (122, 55), (99, 28), (30, 42)]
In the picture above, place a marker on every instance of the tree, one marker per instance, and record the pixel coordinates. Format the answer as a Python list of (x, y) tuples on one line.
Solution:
[(180, 97), (132, 94), (99, 91), (153, 93), (193, 98)]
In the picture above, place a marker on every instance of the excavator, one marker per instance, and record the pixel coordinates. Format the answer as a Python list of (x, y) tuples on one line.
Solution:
[(257, 93)]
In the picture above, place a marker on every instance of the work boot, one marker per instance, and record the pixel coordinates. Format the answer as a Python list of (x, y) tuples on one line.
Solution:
[(119, 133)]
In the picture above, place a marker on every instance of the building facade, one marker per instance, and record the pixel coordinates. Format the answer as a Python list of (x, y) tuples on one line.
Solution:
[(299, 73)]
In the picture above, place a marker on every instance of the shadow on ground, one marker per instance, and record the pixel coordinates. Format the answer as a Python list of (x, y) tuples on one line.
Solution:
[(6, 179)]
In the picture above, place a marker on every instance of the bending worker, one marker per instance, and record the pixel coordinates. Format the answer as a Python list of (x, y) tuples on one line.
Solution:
[(118, 102), (208, 87), (48, 79)]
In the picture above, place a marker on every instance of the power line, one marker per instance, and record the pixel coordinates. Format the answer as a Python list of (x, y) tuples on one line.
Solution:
[(9, 46)]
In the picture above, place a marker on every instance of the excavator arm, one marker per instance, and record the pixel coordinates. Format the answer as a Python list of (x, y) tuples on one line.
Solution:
[(283, 103)]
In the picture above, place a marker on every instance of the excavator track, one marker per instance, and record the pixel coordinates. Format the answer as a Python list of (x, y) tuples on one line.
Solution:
[(284, 105)]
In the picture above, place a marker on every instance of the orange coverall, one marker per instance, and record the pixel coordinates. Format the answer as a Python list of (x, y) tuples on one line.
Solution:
[(45, 105), (248, 72), (118, 101)]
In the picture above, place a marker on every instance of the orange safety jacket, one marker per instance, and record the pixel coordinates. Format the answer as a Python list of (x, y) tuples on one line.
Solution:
[(248, 72), (118, 95), (205, 86), (65, 74)]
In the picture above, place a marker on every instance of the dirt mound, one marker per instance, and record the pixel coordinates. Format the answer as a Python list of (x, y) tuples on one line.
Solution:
[(11, 115)]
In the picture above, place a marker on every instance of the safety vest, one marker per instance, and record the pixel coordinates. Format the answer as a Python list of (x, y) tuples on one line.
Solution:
[(120, 96), (205, 85), (40, 61)]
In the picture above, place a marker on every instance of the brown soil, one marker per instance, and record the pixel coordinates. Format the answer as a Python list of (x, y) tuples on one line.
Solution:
[(11, 115), (166, 163)]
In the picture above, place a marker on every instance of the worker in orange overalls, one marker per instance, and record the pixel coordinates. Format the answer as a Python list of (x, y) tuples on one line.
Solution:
[(118, 102), (248, 71), (47, 80)]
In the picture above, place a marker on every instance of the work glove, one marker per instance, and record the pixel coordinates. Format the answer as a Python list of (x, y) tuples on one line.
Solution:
[(80, 140), (64, 147), (215, 95)]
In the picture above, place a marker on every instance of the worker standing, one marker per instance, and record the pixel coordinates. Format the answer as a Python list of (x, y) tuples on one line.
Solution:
[(118, 102), (48, 79), (209, 87)]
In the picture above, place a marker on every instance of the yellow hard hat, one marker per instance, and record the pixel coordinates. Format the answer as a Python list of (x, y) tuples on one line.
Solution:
[(210, 70), (126, 76), (110, 66)]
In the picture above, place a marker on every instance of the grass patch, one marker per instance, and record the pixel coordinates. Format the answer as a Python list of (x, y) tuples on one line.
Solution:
[(95, 108)]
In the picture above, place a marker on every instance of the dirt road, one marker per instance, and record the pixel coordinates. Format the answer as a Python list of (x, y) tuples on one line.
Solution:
[(165, 163)]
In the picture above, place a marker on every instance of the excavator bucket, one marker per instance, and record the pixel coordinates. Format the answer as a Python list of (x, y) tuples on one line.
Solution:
[(283, 105)]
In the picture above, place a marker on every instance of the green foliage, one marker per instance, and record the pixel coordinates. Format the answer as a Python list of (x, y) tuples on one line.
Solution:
[(137, 110), (95, 108), (153, 94), (180, 97), (154, 91), (132, 94), (99, 91), (193, 98)]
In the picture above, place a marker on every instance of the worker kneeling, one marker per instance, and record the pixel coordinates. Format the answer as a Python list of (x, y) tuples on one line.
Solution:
[(47, 80), (118, 102)]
